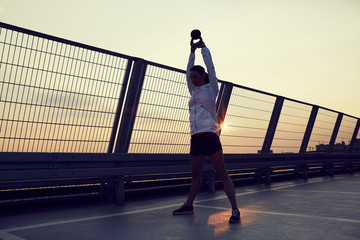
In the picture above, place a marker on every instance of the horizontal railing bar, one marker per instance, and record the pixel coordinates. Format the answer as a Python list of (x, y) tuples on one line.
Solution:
[(55, 140), (55, 123), (59, 74), (57, 107), (62, 40), (13, 157)]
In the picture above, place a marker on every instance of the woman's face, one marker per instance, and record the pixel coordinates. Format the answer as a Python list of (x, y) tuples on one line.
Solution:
[(197, 79)]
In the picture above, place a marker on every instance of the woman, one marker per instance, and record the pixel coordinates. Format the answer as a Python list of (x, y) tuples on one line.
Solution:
[(204, 126)]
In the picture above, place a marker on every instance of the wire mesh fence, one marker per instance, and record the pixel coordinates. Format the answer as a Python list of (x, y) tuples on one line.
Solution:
[(247, 119), (61, 96), (345, 133), (162, 121), (54, 96), (291, 127), (323, 128)]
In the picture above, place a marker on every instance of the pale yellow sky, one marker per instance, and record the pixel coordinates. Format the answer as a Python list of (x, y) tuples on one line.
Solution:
[(307, 50)]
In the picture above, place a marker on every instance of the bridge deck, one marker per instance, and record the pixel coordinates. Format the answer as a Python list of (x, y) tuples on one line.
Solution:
[(320, 208)]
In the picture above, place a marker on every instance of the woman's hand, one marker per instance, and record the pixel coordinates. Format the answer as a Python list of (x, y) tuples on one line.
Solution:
[(201, 45), (194, 46)]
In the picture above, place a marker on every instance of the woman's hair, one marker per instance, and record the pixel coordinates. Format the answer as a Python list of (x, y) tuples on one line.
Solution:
[(201, 71)]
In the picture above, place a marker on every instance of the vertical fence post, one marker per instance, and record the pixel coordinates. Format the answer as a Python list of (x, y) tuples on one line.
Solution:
[(119, 106), (131, 105), (309, 129), (272, 125), (335, 132), (269, 138), (120, 190), (305, 141), (353, 139), (219, 95), (223, 102)]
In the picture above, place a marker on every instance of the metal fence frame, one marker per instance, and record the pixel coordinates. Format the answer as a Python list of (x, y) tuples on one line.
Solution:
[(149, 113), (134, 74)]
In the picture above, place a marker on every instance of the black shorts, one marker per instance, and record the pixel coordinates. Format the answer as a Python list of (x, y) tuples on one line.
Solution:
[(205, 143)]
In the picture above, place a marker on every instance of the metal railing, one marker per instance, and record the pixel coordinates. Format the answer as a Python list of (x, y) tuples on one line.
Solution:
[(57, 95), (61, 96)]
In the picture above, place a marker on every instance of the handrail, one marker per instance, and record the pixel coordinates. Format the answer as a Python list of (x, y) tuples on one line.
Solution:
[(62, 40), (71, 110)]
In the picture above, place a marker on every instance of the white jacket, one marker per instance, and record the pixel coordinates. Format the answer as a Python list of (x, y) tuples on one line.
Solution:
[(202, 102)]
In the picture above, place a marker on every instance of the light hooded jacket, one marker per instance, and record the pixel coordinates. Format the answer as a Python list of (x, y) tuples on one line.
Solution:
[(202, 102)]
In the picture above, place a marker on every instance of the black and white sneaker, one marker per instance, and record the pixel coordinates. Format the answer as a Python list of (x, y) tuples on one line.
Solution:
[(235, 217), (184, 210)]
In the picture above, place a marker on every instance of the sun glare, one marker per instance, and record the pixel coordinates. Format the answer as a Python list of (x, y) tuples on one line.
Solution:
[(223, 126)]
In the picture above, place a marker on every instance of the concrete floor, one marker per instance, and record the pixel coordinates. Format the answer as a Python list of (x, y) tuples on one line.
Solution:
[(321, 208)]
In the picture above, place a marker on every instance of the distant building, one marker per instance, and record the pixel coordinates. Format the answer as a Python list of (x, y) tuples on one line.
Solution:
[(339, 147), (271, 151)]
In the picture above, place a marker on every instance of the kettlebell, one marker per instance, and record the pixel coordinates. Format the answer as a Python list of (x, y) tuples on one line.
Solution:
[(195, 34)]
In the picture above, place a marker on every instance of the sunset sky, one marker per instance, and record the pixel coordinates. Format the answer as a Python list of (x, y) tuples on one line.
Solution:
[(307, 50)]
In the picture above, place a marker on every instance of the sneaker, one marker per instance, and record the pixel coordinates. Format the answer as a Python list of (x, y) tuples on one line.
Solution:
[(184, 210), (235, 217)]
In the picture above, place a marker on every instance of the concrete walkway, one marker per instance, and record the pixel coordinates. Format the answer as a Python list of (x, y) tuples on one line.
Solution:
[(321, 208)]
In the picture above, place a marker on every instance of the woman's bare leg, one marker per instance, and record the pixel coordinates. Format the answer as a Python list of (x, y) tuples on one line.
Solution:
[(197, 164), (217, 160)]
